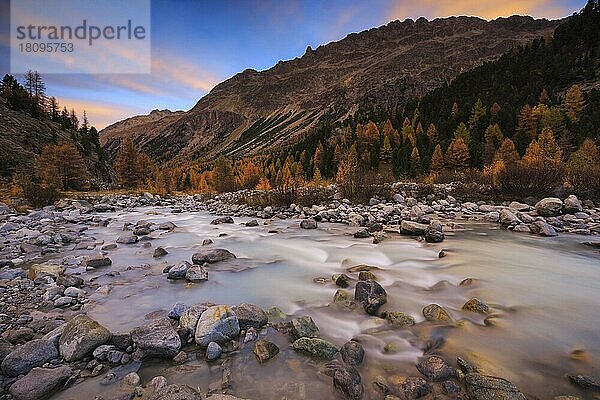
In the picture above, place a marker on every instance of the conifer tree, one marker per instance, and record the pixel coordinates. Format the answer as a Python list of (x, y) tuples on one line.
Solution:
[(507, 153), (574, 103), (61, 166), (437, 160), (457, 155)]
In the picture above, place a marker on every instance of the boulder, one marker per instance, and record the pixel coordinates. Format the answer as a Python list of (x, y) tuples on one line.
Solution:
[(507, 217), (167, 226), (436, 313), (346, 380), (477, 306), (342, 280), (179, 271), (316, 347), (176, 392), (177, 310), (371, 295), (434, 236), (482, 387), (159, 252), (216, 324), (412, 228), (129, 238), (32, 354), (308, 224), (250, 316), (398, 319), (80, 337), (543, 229), (97, 261), (189, 318), (549, 207), (40, 383), (157, 338), (435, 368), (196, 273), (222, 220), (211, 256), (304, 327), (362, 233), (39, 270), (572, 205), (213, 351), (251, 223), (265, 350), (352, 353)]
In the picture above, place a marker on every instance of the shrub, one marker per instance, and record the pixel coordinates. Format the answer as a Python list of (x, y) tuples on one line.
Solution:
[(531, 179), (586, 181)]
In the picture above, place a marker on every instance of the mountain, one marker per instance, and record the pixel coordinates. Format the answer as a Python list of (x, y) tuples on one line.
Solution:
[(22, 138), (386, 66)]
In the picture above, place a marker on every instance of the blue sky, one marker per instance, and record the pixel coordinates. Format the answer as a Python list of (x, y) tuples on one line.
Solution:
[(196, 44)]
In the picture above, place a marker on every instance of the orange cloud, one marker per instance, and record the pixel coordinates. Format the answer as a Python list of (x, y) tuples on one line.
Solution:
[(490, 9), (100, 114)]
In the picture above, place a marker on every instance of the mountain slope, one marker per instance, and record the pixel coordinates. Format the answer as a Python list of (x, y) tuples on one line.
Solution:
[(386, 66)]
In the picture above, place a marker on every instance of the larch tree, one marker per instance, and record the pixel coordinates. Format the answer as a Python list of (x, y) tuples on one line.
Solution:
[(62, 166), (507, 153), (463, 132), (550, 149), (457, 155), (477, 113), (432, 134), (454, 110), (415, 162), (437, 160), (574, 103), (492, 139), (223, 175), (586, 156)]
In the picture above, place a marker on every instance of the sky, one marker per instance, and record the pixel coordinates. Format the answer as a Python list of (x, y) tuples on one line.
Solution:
[(197, 44)]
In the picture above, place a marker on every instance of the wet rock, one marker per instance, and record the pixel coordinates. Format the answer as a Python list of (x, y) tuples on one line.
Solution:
[(159, 252), (450, 387), (52, 270), (346, 380), (127, 239), (251, 335), (189, 318), (585, 382), (435, 368), (398, 319), (80, 337), (197, 273), (250, 316), (211, 256), (352, 353), (412, 228), (371, 295), (167, 226), (40, 383), (362, 234), (304, 327), (32, 354), (179, 270), (213, 351), (131, 379), (122, 340), (157, 338), (507, 218), (436, 313), (222, 220), (63, 302), (412, 387), (572, 205), (316, 347), (216, 324), (74, 292), (515, 205), (206, 242), (252, 223), (108, 353), (69, 280), (549, 207), (265, 350), (110, 246), (177, 309), (180, 358), (477, 306), (482, 387), (434, 236), (308, 224), (366, 276), (543, 229), (97, 261), (176, 392), (342, 280)]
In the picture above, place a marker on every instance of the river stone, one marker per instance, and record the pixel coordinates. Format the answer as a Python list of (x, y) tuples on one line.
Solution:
[(352, 353), (316, 347), (251, 223), (507, 218), (213, 351), (482, 387), (435, 368), (159, 252), (222, 220), (39, 270), (515, 205), (179, 271), (211, 256), (69, 280), (265, 350), (129, 238), (476, 305), (342, 280), (216, 324), (40, 383), (196, 274), (573, 205), (304, 327), (585, 382), (189, 318), (549, 207), (371, 295), (412, 228), (366, 276), (167, 226), (157, 338), (308, 224), (32, 354), (177, 310), (436, 313), (398, 319), (176, 392), (250, 316), (346, 380), (543, 229), (97, 261), (413, 387), (362, 233), (434, 236), (80, 337)]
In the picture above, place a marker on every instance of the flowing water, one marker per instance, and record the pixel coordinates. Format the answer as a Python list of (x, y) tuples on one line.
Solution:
[(545, 295)]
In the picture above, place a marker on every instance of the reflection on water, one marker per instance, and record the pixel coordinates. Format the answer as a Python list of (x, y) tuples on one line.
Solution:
[(545, 293)]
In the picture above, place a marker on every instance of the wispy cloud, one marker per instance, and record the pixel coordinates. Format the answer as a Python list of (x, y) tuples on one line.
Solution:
[(485, 9), (100, 114)]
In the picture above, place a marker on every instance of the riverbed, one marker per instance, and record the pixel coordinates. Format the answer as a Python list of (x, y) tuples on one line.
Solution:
[(544, 294)]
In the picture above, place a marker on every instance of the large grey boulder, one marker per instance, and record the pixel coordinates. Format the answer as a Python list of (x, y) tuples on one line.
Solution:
[(371, 295), (211, 256), (196, 273), (412, 228), (549, 207), (507, 217), (572, 205), (217, 324), (32, 354), (543, 229), (157, 338), (40, 383), (250, 316), (189, 318), (80, 337), (179, 271)]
